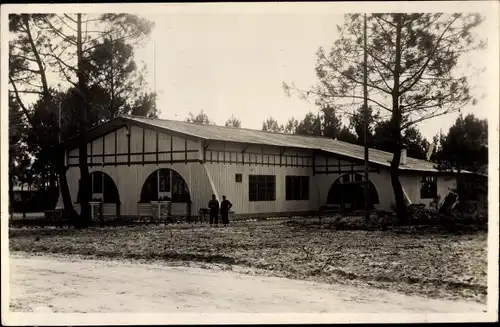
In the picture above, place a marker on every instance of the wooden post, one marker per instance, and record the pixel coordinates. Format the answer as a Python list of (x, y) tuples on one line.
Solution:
[(103, 150), (143, 144), (185, 151), (116, 146), (314, 164), (171, 150), (157, 148), (128, 145)]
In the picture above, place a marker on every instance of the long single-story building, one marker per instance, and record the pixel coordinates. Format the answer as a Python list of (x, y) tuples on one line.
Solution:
[(135, 160)]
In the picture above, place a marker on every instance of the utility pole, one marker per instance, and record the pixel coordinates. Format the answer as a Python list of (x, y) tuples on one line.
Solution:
[(85, 186), (365, 89), (154, 73), (59, 123)]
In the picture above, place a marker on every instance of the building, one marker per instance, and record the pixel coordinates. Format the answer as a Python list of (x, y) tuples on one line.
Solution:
[(136, 160)]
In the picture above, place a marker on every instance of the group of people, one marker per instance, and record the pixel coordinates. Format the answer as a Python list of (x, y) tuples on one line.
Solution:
[(224, 208)]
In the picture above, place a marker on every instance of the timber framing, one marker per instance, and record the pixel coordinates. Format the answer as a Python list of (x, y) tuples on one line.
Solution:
[(157, 148), (128, 143), (118, 123), (103, 148), (171, 149), (226, 157), (347, 153), (116, 146), (137, 153), (143, 144), (139, 162)]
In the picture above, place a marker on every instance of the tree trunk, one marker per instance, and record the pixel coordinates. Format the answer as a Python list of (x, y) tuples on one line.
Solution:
[(401, 211), (397, 188), (11, 193), (23, 200), (68, 210), (44, 173), (82, 158)]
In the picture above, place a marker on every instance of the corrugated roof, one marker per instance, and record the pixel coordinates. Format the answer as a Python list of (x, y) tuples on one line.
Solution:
[(250, 136)]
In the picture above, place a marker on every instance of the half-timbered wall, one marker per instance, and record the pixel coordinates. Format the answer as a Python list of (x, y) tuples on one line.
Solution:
[(211, 167), (142, 146), (224, 160), (227, 153), (130, 179), (330, 164), (412, 184)]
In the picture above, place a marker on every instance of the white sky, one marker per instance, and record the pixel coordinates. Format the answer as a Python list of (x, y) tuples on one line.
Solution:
[(235, 64), (230, 59)]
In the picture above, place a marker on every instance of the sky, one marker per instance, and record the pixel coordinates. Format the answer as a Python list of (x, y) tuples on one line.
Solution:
[(227, 59), (235, 64)]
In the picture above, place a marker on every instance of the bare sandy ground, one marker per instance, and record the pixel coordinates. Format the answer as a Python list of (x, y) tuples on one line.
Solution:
[(73, 285)]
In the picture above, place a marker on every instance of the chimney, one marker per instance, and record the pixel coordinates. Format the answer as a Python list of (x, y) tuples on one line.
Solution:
[(404, 157)]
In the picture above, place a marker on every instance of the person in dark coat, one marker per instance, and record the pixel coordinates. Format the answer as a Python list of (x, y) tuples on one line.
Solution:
[(213, 205), (225, 206)]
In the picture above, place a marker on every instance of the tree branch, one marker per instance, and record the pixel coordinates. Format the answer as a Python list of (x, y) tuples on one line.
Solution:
[(420, 72), (21, 103), (62, 35), (341, 96), (23, 57), (73, 20), (64, 22), (381, 75), (30, 92), (45, 84)]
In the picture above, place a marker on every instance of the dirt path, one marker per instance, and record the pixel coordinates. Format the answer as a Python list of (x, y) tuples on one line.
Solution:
[(48, 283)]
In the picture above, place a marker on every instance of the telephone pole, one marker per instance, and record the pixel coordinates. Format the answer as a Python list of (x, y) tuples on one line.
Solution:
[(365, 89), (154, 73)]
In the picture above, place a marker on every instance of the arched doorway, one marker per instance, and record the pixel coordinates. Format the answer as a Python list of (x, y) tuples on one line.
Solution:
[(104, 189), (167, 185), (348, 193)]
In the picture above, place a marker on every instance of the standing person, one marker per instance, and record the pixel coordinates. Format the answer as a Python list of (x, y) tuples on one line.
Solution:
[(214, 210), (225, 206)]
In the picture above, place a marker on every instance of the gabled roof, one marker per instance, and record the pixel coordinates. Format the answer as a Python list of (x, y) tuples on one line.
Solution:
[(250, 136)]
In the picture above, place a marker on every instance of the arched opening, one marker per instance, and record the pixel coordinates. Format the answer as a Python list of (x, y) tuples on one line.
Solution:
[(348, 193), (165, 184), (104, 189)]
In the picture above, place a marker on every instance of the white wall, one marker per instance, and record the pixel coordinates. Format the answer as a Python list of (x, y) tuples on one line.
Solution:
[(382, 182), (238, 193), (130, 179), (166, 142)]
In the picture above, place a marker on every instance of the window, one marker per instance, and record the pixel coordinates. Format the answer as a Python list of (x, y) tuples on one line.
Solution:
[(97, 182), (239, 178), (164, 179), (429, 187), (180, 190), (297, 188), (262, 187), (103, 188)]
